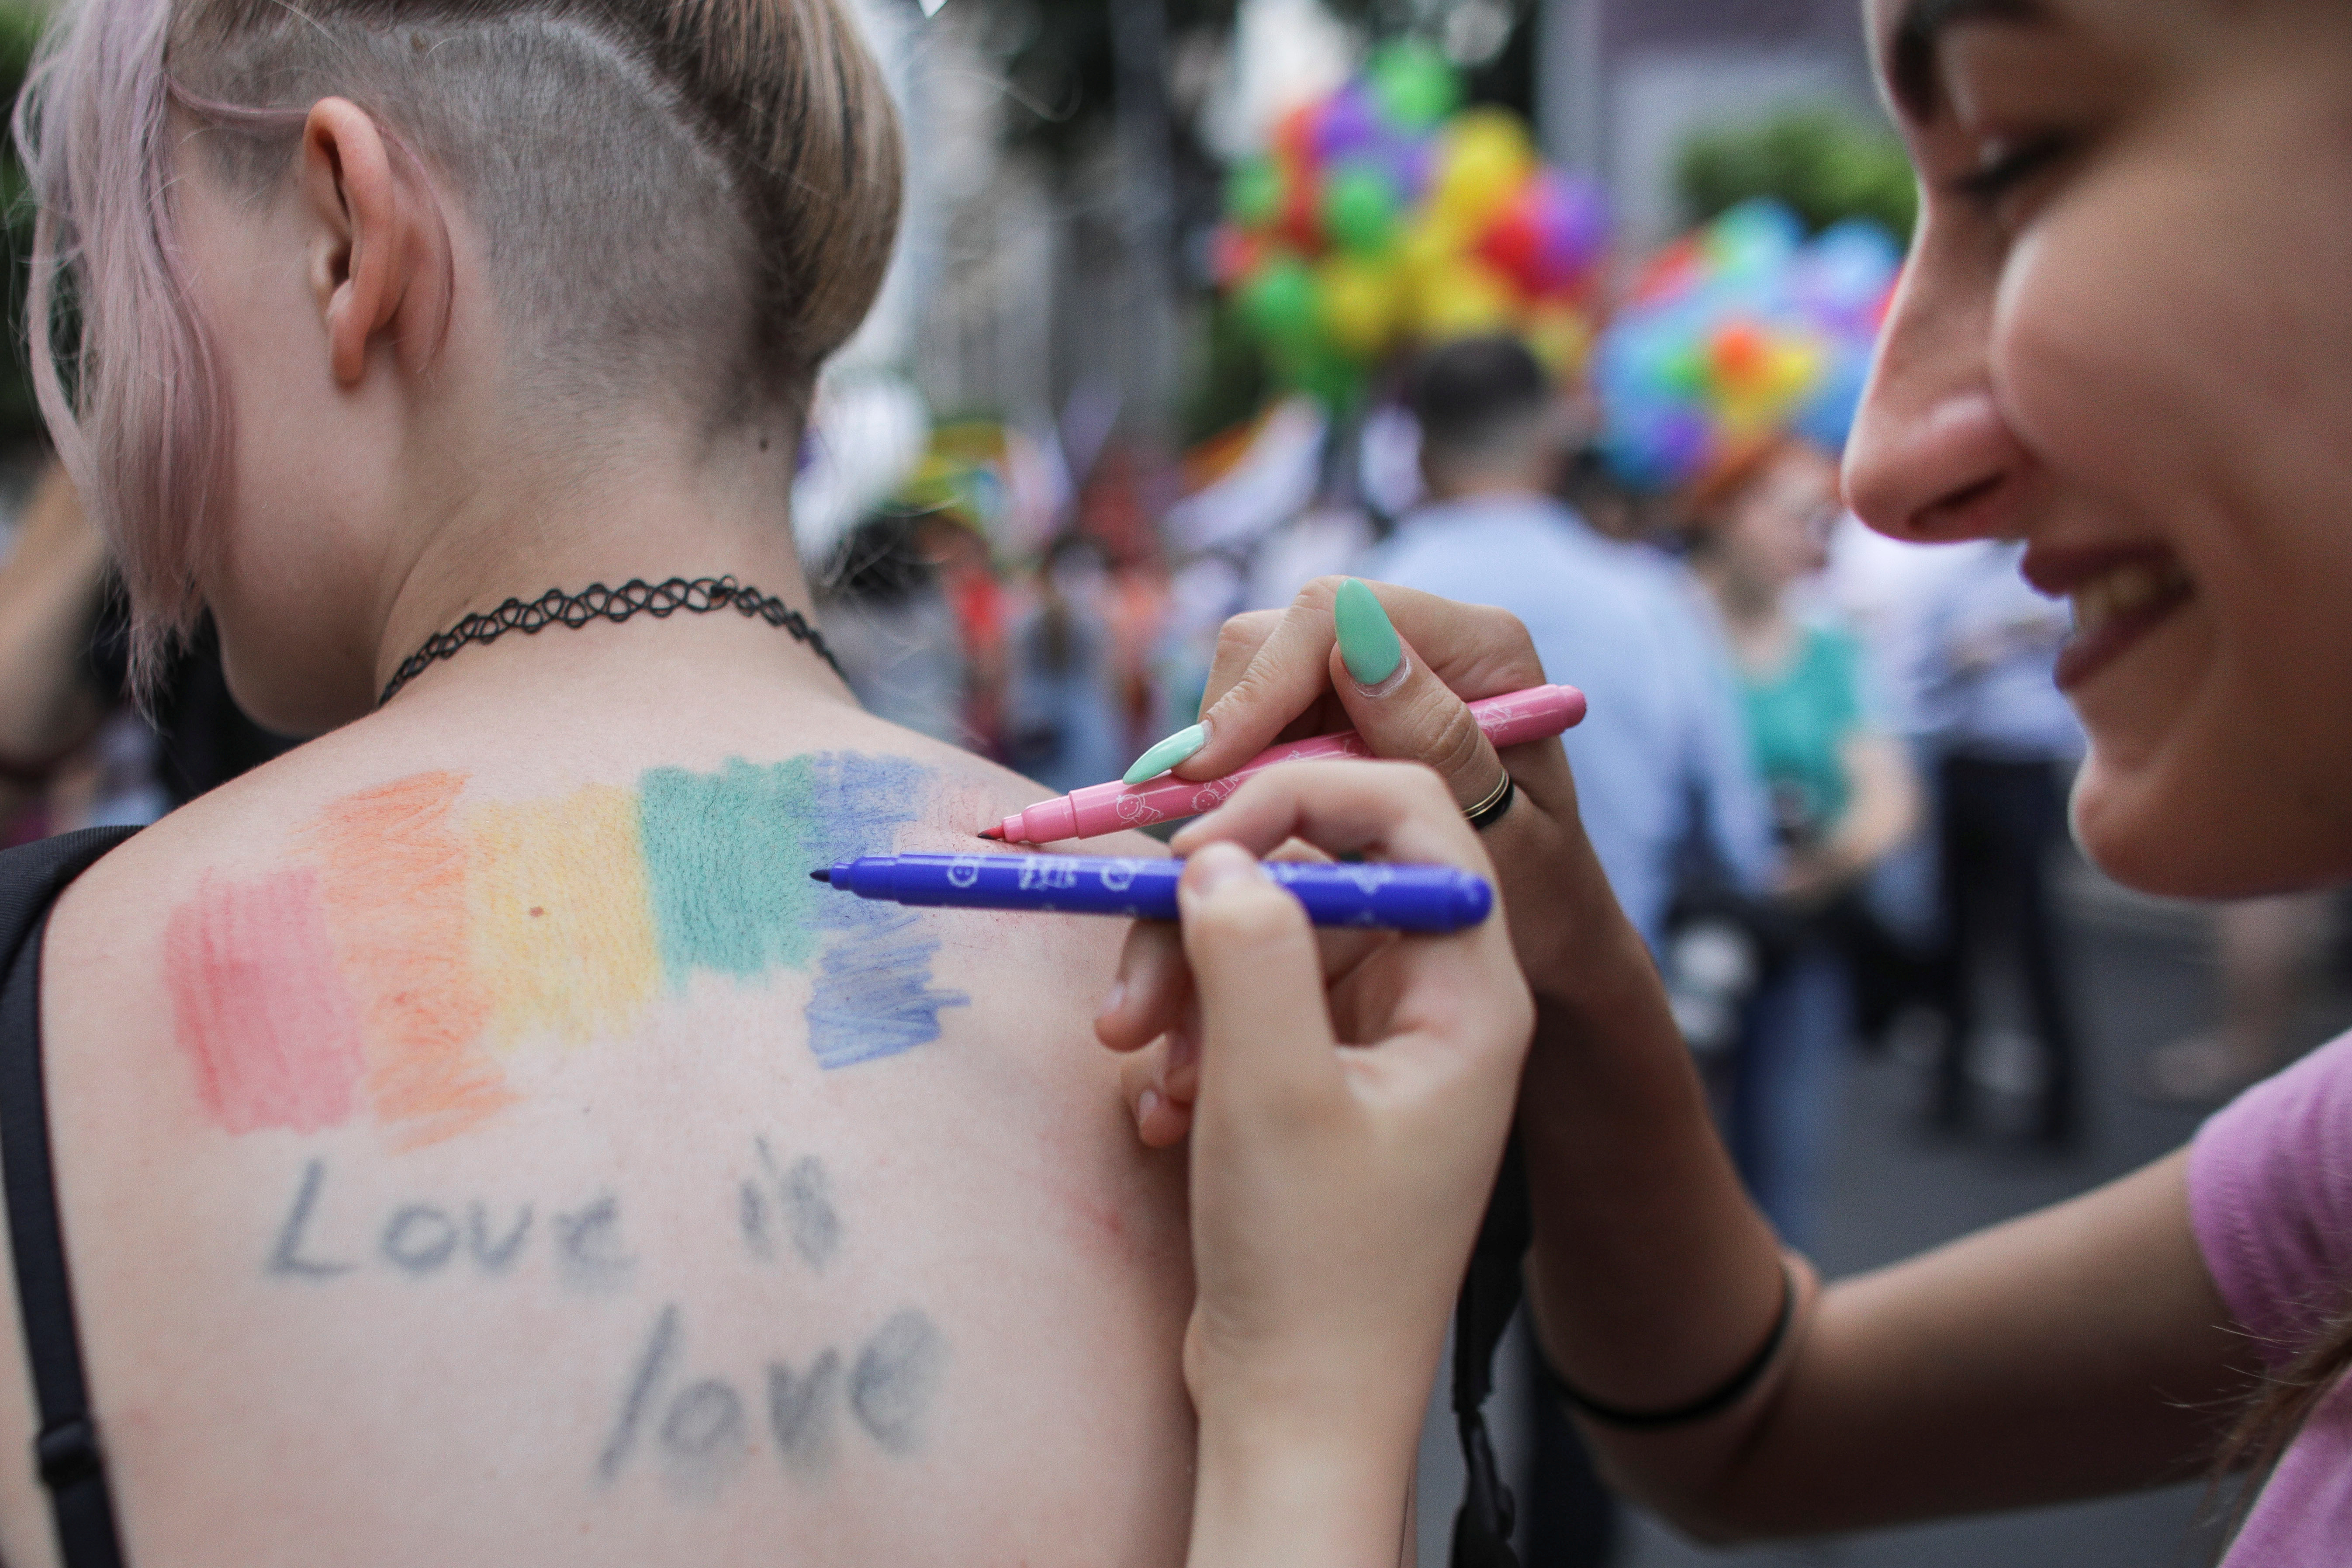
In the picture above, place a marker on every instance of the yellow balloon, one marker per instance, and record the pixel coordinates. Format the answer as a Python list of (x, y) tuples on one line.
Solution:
[(1358, 304), (1464, 298), (1790, 369), (1481, 163), (1561, 338), (1427, 247), (1748, 414)]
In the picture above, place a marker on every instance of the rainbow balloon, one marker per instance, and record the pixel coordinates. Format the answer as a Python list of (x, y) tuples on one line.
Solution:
[(1381, 218), (1740, 333)]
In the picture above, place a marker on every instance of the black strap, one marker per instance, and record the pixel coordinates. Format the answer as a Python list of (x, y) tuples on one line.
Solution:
[(1490, 1294), (66, 1451)]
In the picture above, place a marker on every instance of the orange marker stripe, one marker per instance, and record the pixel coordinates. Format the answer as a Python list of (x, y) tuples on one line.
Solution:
[(393, 876)]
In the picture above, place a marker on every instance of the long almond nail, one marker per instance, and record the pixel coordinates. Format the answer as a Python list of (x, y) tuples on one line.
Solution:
[(1368, 642), (1184, 743)]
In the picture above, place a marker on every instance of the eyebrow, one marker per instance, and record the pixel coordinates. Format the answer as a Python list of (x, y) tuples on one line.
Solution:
[(1911, 56)]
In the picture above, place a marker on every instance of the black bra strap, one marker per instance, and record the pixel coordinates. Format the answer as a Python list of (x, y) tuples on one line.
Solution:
[(67, 1448)]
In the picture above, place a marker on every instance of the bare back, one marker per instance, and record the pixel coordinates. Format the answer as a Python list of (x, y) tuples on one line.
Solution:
[(481, 1143)]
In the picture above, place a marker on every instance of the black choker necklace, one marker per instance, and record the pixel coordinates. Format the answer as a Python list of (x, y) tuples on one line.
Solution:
[(598, 603)]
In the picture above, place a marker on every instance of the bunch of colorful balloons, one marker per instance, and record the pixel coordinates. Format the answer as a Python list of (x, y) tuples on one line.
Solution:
[(1382, 217), (1740, 333)]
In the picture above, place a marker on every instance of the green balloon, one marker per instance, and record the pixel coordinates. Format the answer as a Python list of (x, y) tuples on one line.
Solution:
[(1254, 192), (1414, 84), (1333, 377), (1280, 302), (1320, 370), (1359, 208), (1684, 370)]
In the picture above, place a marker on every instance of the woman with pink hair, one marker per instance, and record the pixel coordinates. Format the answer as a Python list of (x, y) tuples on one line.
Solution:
[(472, 1137)]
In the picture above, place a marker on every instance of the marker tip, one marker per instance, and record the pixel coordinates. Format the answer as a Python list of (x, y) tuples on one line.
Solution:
[(820, 875), (995, 833)]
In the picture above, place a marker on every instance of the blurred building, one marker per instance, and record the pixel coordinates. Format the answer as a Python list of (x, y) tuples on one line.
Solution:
[(1623, 84), (1041, 209)]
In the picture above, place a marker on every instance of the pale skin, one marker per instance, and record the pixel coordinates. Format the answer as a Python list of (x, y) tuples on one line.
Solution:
[(2114, 342)]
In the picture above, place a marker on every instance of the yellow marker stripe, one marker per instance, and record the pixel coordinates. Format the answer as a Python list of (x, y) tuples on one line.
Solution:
[(563, 931)]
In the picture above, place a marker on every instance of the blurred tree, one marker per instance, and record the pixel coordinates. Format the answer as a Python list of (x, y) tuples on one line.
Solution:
[(20, 35), (1058, 63), (1057, 59), (1826, 164), (1227, 381)]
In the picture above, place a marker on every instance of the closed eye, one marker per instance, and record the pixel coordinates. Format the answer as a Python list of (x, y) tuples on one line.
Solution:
[(2003, 173)]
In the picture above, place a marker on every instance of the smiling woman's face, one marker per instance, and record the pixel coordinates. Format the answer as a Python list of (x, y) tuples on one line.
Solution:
[(2125, 336)]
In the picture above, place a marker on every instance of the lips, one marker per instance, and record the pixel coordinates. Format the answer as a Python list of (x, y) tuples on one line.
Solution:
[(2120, 594)]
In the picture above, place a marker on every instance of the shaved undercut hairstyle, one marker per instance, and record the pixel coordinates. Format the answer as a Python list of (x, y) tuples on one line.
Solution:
[(1479, 400), (684, 201)]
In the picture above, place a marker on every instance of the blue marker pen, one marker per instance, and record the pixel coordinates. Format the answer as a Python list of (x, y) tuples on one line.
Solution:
[(1391, 897)]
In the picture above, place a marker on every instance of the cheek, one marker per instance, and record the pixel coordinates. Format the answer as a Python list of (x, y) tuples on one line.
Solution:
[(2107, 355), (2200, 395)]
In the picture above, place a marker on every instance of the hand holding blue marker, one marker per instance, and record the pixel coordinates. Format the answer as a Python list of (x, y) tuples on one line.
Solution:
[(1427, 899)]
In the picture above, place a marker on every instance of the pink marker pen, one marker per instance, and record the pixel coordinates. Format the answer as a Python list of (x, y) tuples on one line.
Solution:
[(1536, 714)]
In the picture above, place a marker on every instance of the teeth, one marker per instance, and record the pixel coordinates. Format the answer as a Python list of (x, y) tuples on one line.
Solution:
[(2132, 586)]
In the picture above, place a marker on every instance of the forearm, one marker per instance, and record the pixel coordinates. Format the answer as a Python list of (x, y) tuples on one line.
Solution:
[(1884, 811), (1652, 1276), (1261, 1501), (2075, 1351)]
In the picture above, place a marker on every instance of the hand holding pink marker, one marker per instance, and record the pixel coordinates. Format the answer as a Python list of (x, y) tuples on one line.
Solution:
[(1536, 714)]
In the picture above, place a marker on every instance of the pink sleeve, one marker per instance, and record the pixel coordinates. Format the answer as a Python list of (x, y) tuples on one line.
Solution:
[(2270, 1196)]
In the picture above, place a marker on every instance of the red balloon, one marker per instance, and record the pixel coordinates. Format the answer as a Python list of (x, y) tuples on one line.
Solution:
[(1293, 141), (1673, 270), (1514, 243), (1737, 350), (1302, 218), (1233, 255)]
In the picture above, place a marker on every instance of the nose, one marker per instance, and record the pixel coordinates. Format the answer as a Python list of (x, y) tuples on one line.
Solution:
[(1931, 457)]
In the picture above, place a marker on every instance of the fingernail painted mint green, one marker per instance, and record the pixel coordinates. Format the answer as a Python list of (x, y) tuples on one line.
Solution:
[(1167, 754), (1368, 643)]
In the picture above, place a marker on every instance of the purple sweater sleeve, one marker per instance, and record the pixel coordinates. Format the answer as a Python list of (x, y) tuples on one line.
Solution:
[(2270, 1196)]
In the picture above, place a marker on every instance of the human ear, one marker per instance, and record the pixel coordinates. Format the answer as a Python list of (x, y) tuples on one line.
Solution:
[(379, 264)]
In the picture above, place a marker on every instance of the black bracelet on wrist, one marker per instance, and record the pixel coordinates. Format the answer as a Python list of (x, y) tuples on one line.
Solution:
[(1490, 810), (1716, 1401)]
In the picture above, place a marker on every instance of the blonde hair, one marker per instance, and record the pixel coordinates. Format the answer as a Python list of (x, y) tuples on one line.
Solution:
[(691, 199)]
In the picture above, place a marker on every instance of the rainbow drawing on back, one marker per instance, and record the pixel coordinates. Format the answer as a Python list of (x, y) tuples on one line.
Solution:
[(418, 937)]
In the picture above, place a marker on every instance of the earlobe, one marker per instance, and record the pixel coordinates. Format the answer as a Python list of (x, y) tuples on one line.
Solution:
[(379, 264)]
